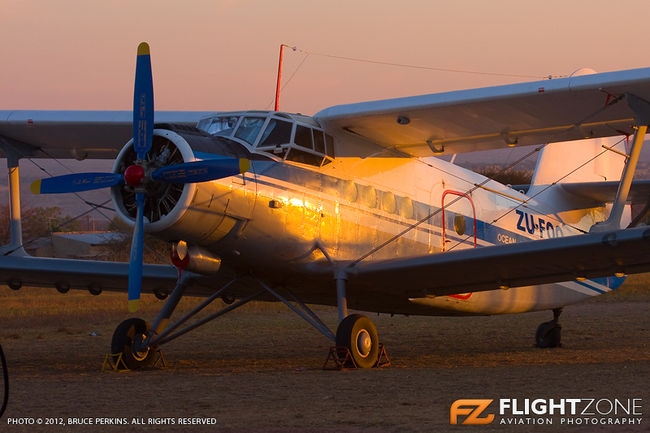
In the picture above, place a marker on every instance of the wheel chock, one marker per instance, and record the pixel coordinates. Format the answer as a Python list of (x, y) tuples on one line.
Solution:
[(114, 362), (339, 358), (159, 361), (383, 360)]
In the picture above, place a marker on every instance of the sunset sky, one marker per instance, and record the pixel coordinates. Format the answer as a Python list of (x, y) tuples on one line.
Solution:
[(222, 54)]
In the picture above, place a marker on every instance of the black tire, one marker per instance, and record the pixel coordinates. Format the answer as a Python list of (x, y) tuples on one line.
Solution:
[(359, 335), (62, 287), (548, 335), (124, 336)]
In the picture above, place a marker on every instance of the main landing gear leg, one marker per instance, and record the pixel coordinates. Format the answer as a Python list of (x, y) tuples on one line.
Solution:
[(355, 331), (549, 334), (131, 337)]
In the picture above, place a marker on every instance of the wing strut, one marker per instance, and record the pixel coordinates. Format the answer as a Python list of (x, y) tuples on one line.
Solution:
[(15, 246), (641, 109)]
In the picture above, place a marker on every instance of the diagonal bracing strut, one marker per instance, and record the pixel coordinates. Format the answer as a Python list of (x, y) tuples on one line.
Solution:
[(641, 109)]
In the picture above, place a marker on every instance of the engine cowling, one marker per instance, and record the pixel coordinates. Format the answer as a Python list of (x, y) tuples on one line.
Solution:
[(201, 213)]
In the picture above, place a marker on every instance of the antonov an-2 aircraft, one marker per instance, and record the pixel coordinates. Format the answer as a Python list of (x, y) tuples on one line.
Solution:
[(352, 207)]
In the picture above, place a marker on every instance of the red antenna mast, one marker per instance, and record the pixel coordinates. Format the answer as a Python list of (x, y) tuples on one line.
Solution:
[(277, 87)]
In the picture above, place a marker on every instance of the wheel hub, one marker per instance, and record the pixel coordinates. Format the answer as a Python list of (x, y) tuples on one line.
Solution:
[(139, 350), (364, 343)]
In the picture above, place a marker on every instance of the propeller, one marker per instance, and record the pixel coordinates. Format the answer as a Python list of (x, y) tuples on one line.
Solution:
[(137, 175)]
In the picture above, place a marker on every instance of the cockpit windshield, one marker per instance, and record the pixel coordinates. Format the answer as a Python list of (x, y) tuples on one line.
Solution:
[(249, 128), (290, 137), (223, 126)]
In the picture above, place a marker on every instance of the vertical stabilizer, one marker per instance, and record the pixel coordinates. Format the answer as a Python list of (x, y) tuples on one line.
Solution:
[(580, 161), (572, 162)]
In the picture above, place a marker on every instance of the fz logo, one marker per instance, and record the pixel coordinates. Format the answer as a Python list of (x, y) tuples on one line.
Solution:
[(473, 408)]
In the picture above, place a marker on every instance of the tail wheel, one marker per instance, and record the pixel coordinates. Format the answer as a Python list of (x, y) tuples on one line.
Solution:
[(126, 339), (359, 335), (549, 334)]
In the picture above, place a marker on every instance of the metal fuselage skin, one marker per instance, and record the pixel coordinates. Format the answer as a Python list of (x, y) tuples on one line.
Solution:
[(290, 223)]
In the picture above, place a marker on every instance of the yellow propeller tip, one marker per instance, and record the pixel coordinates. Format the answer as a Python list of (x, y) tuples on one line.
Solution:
[(143, 49), (36, 187), (244, 165), (133, 305)]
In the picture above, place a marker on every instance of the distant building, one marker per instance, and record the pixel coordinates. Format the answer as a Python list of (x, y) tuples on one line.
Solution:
[(80, 245)]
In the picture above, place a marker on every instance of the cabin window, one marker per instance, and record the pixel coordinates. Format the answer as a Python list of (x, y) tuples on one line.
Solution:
[(388, 202), (367, 196), (405, 207), (249, 128), (277, 133), (459, 224)]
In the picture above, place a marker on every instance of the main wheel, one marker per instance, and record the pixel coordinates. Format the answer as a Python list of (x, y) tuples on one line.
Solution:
[(359, 335), (126, 338), (549, 334)]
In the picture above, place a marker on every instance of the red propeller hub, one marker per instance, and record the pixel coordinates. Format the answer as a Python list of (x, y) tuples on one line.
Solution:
[(133, 175)]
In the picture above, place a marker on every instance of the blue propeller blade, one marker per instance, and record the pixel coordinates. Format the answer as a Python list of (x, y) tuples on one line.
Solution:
[(143, 103), (142, 138), (135, 261), (201, 171), (75, 183)]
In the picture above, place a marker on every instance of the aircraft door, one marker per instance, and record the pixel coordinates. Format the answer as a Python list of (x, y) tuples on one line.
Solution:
[(458, 221)]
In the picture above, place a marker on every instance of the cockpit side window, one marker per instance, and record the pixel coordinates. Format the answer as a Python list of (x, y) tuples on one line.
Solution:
[(319, 141), (303, 137), (249, 128), (330, 145), (298, 155), (277, 133)]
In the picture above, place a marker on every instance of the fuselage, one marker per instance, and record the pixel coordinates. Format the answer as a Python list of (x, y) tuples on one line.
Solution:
[(306, 207)]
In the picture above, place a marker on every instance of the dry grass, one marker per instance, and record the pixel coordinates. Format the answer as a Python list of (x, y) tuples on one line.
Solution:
[(258, 370)]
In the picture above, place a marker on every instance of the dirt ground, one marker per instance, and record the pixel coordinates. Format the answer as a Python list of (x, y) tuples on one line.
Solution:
[(259, 370)]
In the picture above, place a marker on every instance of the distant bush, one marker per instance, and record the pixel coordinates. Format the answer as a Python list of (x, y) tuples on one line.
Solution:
[(155, 250), (507, 177), (37, 222)]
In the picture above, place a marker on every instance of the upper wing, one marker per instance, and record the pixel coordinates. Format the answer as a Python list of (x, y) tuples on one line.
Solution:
[(479, 119), (78, 134), (511, 265)]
